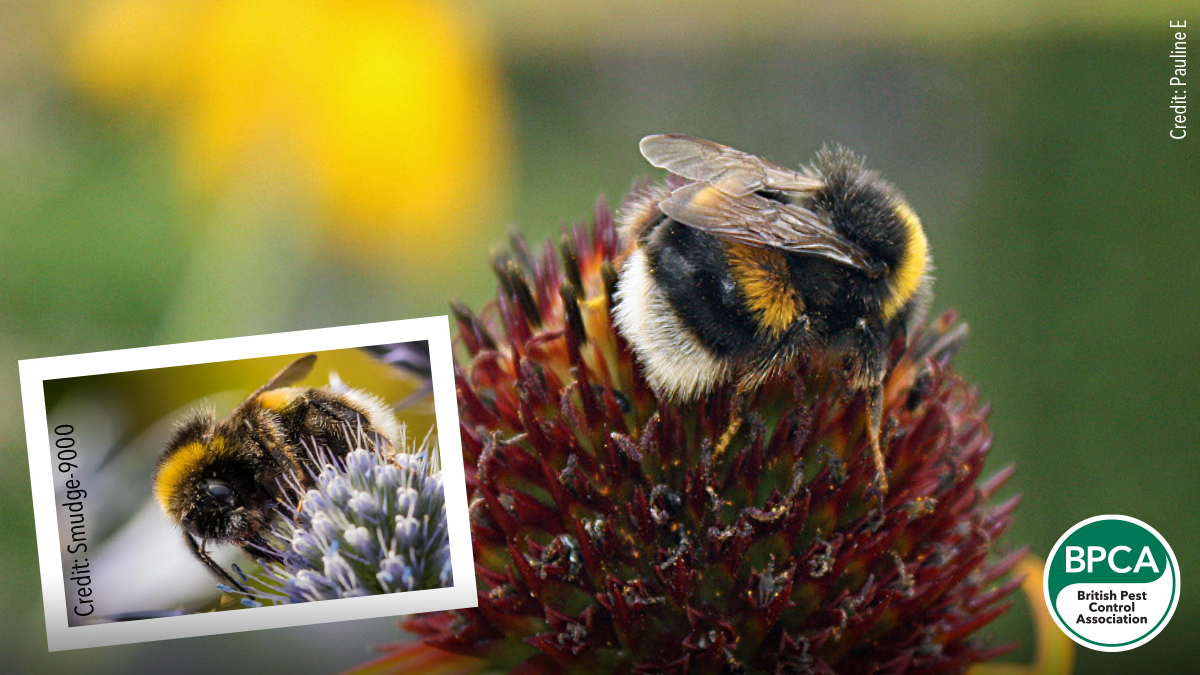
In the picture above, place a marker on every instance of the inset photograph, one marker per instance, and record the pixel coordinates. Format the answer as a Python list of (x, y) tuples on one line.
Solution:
[(210, 487)]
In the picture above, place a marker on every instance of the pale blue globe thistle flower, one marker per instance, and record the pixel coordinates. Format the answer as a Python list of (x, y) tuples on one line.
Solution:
[(374, 523)]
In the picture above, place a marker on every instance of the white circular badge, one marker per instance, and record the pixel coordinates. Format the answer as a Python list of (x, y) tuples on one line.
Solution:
[(1111, 583)]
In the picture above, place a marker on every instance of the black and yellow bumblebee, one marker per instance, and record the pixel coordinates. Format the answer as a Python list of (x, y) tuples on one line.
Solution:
[(743, 267), (220, 481)]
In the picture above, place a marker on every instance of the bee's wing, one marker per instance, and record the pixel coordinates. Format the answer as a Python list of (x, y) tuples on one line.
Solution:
[(757, 221), (292, 373), (736, 172)]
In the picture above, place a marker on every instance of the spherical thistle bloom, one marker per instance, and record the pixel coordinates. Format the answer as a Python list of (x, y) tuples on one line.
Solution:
[(374, 523), (609, 537)]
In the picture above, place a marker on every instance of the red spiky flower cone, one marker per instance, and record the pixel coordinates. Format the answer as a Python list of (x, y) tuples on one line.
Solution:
[(608, 540)]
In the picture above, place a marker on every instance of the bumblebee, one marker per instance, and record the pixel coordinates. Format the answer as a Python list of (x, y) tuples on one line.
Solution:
[(220, 481), (743, 268)]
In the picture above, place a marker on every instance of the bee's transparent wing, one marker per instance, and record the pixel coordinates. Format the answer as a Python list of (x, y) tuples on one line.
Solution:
[(291, 374), (734, 172), (757, 221)]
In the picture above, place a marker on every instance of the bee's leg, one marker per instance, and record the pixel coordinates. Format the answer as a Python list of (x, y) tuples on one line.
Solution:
[(867, 373), (736, 416), (874, 422), (197, 549), (258, 549)]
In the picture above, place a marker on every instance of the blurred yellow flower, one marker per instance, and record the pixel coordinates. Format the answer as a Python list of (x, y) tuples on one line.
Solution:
[(389, 112)]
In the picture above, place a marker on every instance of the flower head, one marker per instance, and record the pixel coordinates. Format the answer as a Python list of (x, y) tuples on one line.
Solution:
[(374, 523), (610, 538)]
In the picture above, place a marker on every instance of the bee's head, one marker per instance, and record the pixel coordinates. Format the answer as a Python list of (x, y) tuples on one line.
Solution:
[(204, 482), (217, 510)]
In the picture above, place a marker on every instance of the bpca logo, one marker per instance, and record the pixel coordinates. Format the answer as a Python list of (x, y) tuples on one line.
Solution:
[(1112, 583)]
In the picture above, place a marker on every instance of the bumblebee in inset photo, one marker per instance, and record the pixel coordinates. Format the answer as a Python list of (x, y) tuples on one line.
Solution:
[(220, 481), (748, 267)]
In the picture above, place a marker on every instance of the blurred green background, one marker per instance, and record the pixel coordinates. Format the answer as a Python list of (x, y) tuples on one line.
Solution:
[(195, 169)]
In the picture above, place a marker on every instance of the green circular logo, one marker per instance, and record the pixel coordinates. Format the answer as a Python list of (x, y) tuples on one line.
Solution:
[(1112, 583)]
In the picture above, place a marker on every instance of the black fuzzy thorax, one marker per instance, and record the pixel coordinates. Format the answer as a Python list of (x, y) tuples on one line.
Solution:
[(861, 206), (319, 418)]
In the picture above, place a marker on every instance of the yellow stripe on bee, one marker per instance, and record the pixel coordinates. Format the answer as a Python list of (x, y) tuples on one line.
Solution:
[(911, 270), (762, 276), (277, 400), (180, 466)]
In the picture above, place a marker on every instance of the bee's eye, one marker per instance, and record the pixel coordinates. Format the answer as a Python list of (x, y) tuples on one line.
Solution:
[(220, 492)]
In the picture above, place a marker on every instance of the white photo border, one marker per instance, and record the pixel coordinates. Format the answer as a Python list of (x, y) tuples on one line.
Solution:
[(34, 372)]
